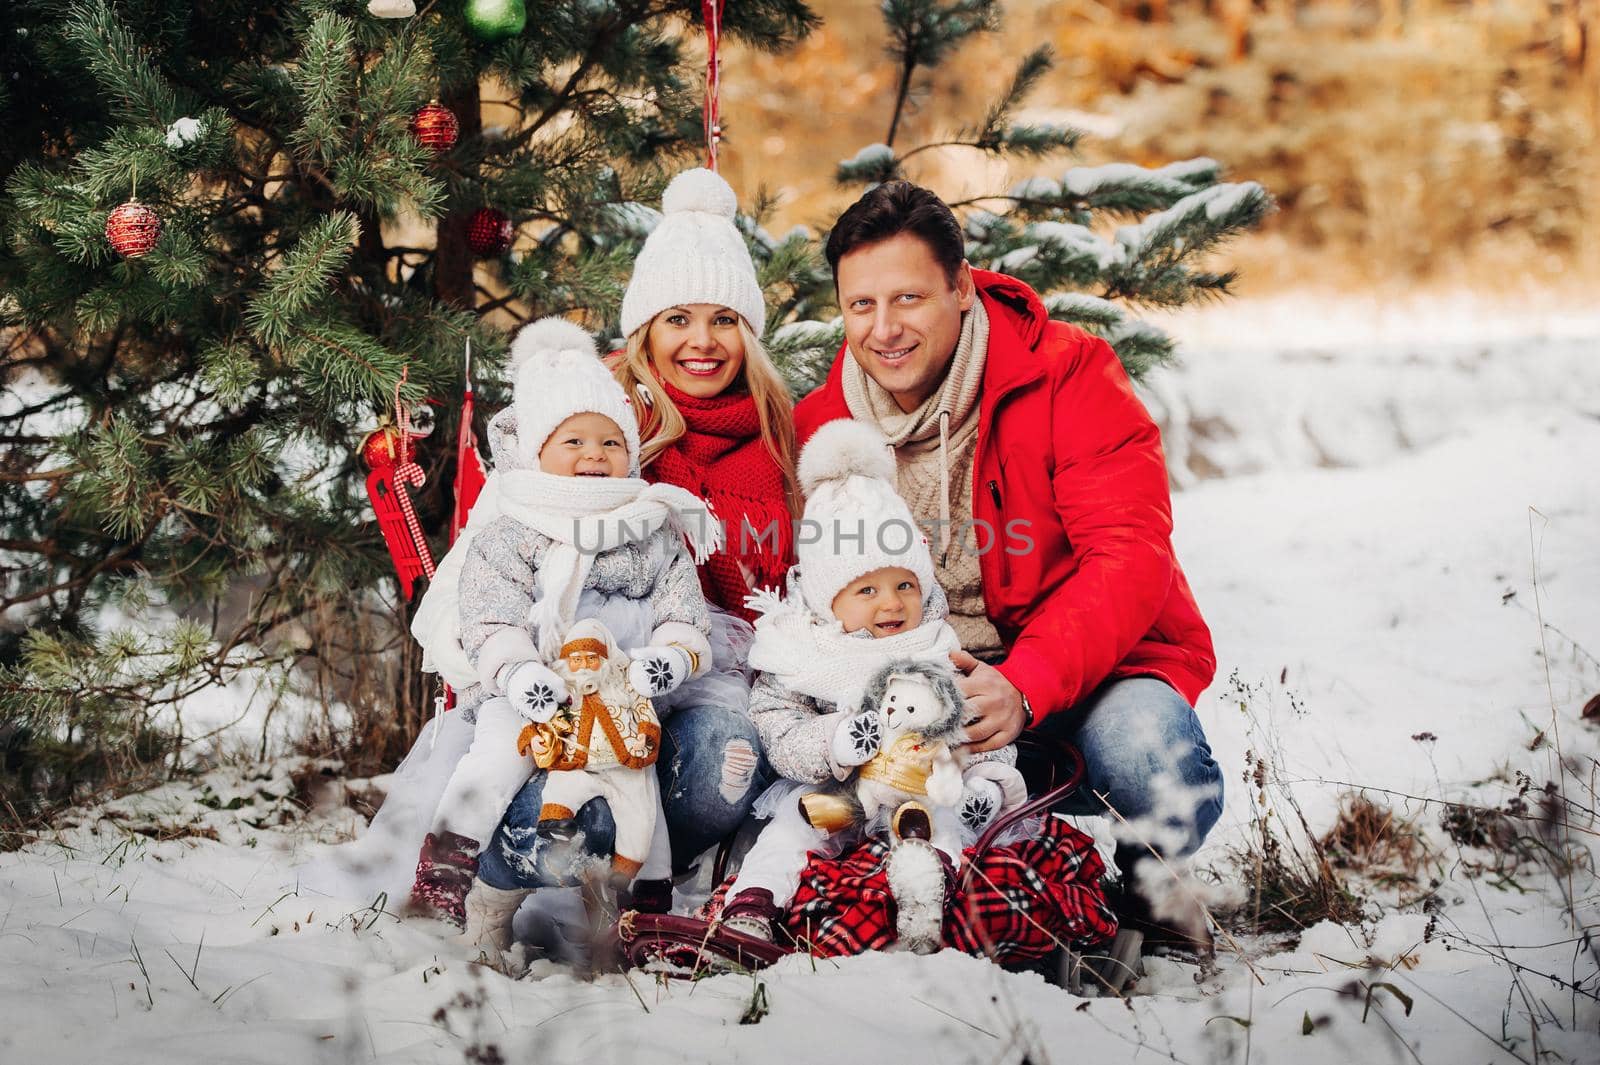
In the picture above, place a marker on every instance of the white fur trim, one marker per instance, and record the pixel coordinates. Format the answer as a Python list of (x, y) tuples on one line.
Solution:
[(845, 448), (916, 879), (837, 719), (687, 637)]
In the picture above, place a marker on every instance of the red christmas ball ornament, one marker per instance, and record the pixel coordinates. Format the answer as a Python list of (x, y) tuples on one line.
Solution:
[(384, 447), (133, 229), (436, 128), (489, 231)]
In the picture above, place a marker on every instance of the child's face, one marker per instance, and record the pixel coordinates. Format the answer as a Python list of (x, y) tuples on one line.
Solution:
[(884, 602), (585, 445)]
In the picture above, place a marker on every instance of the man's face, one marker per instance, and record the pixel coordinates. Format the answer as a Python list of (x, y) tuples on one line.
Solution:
[(902, 316)]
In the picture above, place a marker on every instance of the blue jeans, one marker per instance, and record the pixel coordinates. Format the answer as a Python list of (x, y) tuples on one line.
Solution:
[(1147, 758), (710, 770)]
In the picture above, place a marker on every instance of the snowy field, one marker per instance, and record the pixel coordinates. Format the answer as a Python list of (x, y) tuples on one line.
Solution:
[(1378, 513)]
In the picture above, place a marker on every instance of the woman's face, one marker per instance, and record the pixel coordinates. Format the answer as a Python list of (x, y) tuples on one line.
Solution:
[(696, 348)]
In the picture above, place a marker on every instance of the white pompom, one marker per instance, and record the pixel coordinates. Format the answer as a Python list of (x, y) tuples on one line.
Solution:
[(845, 448), (549, 335), (699, 190)]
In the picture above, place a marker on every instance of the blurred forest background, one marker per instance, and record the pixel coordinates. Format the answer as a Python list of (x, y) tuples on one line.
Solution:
[(1411, 144)]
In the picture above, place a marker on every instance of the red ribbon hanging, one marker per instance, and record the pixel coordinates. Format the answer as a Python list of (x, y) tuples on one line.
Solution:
[(469, 463), (712, 10)]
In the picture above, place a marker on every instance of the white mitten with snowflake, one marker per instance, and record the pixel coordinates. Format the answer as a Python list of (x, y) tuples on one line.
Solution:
[(1007, 778), (980, 804), (655, 671), (856, 740), (535, 691)]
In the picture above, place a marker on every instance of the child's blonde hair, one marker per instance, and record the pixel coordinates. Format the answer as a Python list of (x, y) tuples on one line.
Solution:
[(661, 423)]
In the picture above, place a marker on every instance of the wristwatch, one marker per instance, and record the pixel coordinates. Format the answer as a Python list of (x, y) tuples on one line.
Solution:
[(1027, 710)]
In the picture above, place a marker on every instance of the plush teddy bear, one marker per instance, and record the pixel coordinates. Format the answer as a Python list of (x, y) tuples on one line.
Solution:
[(910, 716)]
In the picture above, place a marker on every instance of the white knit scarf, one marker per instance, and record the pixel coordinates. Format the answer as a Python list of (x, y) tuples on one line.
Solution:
[(815, 657), (587, 515), (944, 418)]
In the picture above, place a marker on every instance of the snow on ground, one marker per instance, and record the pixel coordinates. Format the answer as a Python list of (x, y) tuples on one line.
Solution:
[(1366, 590)]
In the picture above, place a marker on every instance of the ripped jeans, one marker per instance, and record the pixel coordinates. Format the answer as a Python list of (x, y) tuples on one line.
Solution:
[(1146, 757), (710, 770)]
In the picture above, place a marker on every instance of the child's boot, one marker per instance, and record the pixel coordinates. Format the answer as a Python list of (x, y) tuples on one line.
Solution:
[(489, 913), (751, 913), (445, 871), (647, 896)]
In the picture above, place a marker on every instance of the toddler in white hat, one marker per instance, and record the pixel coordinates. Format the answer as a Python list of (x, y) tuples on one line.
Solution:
[(862, 594), (573, 535)]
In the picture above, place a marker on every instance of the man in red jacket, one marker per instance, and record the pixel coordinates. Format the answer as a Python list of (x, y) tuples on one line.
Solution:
[(1040, 481)]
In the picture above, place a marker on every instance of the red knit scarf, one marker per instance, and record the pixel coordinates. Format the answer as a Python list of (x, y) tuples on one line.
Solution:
[(722, 458)]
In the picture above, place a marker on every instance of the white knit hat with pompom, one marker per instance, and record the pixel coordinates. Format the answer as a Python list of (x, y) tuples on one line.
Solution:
[(557, 373), (694, 255), (855, 522)]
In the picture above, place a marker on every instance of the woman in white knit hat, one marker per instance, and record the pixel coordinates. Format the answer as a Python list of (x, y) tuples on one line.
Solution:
[(715, 416)]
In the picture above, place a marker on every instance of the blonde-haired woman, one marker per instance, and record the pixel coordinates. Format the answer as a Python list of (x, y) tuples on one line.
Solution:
[(715, 418)]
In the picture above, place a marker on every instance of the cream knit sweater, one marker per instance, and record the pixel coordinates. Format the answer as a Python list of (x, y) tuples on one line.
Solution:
[(934, 447)]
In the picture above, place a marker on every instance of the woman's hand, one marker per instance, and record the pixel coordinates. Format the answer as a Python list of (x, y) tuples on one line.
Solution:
[(994, 703)]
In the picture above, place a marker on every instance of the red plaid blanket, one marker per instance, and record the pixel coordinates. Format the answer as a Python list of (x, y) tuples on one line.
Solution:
[(1022, 900)]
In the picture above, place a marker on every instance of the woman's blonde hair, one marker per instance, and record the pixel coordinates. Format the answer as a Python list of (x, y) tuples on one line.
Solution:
[(661, 424)]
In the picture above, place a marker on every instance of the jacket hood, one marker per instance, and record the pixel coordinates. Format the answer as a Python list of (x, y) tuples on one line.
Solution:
[(503, 450), (1014, 301)]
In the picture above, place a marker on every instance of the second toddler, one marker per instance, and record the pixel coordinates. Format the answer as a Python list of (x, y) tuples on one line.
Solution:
[(863, 594)]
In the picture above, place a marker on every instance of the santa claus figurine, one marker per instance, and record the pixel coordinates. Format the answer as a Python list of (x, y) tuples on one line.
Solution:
[(599, 742)]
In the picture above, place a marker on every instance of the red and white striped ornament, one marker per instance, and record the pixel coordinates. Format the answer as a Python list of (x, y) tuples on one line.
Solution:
[(133, 229), (489, 231), (436, 128)]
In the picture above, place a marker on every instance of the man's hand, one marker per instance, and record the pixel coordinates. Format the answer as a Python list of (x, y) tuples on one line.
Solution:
[(993, 702)]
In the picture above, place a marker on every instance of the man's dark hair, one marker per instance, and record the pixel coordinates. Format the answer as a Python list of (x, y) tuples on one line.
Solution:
[(893, 208)]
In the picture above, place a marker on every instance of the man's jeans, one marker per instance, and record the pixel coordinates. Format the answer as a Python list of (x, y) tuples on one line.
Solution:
[(1146, 757), (710, 771)]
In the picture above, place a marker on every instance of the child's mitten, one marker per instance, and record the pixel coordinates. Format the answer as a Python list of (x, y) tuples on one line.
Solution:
[(656, 671), (1007, 778), (857, 739), (534, 690)]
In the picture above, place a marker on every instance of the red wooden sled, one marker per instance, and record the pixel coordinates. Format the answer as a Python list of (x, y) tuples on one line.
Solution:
[(687, 947)]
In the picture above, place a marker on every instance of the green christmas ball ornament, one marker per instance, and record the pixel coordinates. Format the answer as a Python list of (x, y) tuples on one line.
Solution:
[(495, 20)]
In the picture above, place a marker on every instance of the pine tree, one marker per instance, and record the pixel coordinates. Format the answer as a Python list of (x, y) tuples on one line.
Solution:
[(1050, 232), (180, 428)]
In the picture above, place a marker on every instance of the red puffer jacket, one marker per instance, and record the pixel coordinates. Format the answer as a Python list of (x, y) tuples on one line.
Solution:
[(1081, 580)]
